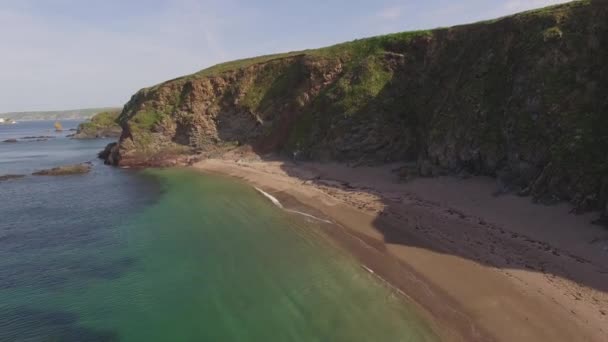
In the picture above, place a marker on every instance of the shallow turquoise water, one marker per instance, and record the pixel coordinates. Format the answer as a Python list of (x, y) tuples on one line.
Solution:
[(174, 255)]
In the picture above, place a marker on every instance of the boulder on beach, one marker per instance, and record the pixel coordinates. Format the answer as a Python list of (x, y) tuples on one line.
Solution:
[(65, 170)]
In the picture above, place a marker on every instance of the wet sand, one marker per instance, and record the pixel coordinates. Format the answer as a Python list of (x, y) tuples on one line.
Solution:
[(482, 267)]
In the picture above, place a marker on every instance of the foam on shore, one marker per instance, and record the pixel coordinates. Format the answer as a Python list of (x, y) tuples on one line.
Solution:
[(276, 202)]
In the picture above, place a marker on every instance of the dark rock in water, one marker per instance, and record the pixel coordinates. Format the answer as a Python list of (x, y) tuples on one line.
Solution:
[(65, 170), (9, 177), (37, 138), (110, 154), (12, 141)]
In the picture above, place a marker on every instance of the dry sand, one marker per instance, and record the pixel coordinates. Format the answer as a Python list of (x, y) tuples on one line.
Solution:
[(484, 267)]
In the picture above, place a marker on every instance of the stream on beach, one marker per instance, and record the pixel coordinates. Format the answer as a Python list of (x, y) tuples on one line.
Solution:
[(171, 255)]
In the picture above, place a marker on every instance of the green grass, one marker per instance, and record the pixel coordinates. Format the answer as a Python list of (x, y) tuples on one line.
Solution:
[(353, 50), (145, 120), (243, 63), (360, 48), (363, 85), (274, 82), (552, 33), (102, 120), (261, 84)]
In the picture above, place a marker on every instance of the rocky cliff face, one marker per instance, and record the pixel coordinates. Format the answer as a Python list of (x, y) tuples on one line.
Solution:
[(522, 98)]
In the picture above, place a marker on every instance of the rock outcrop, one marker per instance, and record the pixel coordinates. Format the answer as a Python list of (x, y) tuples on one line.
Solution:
[(102, 125), (521, 98), (65, 170), (10, 177)]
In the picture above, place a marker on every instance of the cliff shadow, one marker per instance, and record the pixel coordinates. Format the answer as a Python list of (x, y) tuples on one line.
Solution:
[(414, 221), (411, 220)]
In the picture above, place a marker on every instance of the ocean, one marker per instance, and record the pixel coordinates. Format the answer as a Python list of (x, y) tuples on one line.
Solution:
[(171, 255)]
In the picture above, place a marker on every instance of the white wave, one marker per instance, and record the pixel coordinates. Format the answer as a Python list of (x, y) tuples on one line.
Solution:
[(308, 215), (270, 197), (368, 269), (276, 202)]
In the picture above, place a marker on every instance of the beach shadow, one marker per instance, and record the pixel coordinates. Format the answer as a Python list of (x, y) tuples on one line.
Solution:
[(441, 229), (405, 141)]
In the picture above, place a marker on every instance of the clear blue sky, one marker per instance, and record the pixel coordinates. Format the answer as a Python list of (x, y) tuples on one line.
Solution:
[(61, 54)]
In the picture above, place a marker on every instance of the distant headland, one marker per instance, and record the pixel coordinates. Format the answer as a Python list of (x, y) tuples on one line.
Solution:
[(74, 114)]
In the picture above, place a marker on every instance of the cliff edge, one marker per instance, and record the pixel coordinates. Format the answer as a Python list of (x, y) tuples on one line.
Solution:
[(521, 98)]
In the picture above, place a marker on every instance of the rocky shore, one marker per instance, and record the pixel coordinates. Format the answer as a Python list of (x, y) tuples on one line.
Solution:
[(9, 177), (102, 125), (65, 170)]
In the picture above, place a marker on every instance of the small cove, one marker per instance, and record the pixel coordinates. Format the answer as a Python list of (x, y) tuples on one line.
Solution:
[(159, 255)]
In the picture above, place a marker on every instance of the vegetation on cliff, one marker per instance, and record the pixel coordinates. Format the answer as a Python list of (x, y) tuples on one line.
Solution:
[(522, 98), (102, 125)]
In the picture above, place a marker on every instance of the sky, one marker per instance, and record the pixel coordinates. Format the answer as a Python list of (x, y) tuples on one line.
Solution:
[(65, 54)]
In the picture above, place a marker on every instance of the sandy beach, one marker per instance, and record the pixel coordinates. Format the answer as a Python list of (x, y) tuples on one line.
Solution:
[(482, 266)]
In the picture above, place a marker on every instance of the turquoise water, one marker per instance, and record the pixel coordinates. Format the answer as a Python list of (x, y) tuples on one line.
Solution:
[(174, 255)]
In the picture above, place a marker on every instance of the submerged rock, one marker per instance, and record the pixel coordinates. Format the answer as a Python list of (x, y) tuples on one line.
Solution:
[(65, 170), (9, 177), (109, 154), (37, 138)]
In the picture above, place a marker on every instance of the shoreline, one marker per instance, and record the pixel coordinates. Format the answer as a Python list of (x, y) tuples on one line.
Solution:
[(381, 266), (409, 245), (367, 257)]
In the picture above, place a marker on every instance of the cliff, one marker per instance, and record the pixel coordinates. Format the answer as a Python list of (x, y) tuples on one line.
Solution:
[(521, 98), (101, 125)]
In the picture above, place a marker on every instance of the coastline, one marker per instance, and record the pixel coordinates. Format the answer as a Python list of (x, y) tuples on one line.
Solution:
[(449, 261)]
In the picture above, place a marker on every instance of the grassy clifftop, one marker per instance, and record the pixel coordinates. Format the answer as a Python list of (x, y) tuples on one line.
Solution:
[(104, 124), (522, 98)]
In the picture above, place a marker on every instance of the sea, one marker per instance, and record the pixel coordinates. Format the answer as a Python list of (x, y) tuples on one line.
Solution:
[(171, 255)]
